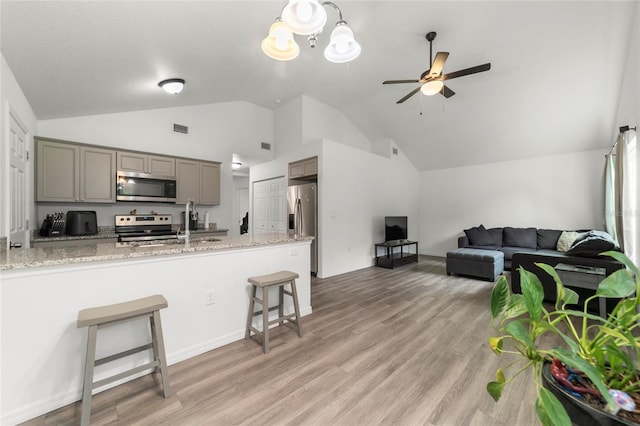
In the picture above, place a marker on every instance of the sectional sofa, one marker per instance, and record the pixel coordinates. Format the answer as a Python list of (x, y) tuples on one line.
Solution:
[(524, 247)]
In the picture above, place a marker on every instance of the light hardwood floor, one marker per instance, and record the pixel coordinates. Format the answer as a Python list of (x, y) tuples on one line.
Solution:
[(382, 347)]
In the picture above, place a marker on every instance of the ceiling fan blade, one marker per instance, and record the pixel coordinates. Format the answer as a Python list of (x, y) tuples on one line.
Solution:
[(466, 71), (446, 92), (400, 81), (410, 94), (438, 63)]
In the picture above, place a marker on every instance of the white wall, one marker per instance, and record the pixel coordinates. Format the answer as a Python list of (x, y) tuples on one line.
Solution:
[(288, 127), (320, 121), (357, 190), (557, 192), (11, 96), (216, 131)]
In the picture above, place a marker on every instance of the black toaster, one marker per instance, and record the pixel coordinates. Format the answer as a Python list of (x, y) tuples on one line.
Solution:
[(81, 222)]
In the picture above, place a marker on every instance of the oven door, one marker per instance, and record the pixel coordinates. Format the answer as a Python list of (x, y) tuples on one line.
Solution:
[(144, 187)]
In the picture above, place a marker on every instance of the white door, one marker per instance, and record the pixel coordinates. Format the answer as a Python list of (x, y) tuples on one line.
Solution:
[(18, 182), (269, 206)]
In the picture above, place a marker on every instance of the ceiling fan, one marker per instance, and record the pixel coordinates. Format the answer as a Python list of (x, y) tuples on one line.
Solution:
[(432, 80)]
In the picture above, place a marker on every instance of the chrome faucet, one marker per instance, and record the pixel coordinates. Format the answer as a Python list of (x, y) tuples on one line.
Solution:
[(189, 206)]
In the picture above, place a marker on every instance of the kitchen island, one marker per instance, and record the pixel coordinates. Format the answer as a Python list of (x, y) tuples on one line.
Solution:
[(204, 282)]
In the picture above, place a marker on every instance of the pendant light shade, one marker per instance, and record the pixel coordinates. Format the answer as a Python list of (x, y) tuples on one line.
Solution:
[(172, 85), (304, 16), (432, 87), (279, 44), (342, 45)]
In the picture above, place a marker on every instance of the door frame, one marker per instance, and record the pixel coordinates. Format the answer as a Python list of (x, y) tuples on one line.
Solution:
[(11, 113)]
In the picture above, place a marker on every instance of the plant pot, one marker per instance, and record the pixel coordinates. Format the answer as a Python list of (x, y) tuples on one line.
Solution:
[(579, 411)]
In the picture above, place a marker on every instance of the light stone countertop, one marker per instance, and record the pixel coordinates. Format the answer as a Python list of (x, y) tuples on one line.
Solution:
[(104, 232), (95, 252)]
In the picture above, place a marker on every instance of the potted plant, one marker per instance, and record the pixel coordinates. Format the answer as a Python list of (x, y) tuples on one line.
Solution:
[(601, 353)]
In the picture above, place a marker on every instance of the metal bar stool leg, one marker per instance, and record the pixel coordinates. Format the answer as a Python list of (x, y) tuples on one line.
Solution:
[(89, 365)]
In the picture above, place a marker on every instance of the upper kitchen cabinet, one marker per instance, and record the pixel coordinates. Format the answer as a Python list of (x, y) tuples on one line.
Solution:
[(198, 181), (146, 163), (67, 172), (304, 168)]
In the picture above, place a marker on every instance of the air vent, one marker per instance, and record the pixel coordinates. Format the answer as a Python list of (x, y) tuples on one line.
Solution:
[(179, 128), (395, 151), (265, 145)]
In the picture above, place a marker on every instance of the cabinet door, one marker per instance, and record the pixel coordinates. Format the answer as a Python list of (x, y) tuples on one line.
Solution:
[(57, 172), (296, 170), (310, 167), (209, 184), (97, 175), (260, 207), (132, 162), (161, 166), (187, 180)]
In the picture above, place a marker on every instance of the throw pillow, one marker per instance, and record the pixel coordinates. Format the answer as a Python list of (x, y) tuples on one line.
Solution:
[(478, 236), (548, 238), (519, 237), (592, 243), (566, 239)]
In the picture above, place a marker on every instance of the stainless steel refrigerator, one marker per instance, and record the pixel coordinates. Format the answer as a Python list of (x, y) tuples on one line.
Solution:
[(303, 216)]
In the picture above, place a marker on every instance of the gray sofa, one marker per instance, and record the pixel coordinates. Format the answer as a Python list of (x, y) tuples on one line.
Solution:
[(524, 247)]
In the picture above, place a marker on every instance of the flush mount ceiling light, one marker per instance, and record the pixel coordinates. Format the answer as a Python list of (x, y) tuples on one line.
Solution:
[(308, 17), (236, 165), (172, 85)]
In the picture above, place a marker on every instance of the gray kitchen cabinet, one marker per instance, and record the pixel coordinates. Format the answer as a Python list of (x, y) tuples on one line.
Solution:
[(303, 168), (198, 181), (210, 184), (157, 165), (67, 172)]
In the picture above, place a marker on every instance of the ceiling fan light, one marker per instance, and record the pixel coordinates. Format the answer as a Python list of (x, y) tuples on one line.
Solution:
[(342, 45), (432, 87), (172, 85), (279, 44), (304, 16)]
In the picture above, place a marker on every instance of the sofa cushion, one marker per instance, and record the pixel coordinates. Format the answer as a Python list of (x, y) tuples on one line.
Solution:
[(496, 236), (479, 236), (566, 239), (509, 251), (592, 243), (519, 237), (548, 238)]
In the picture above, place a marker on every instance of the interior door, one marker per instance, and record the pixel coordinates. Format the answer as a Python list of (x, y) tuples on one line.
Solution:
[(18, 182)]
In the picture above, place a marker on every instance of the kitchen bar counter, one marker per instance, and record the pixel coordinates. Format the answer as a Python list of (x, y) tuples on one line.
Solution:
[(95, 252), (205, 284)]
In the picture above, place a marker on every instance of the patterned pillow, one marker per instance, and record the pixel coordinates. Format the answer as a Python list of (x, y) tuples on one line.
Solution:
[(592, 243), (566, 240)]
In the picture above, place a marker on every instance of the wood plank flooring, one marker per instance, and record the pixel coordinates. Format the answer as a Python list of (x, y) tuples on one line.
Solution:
[(382, 347)]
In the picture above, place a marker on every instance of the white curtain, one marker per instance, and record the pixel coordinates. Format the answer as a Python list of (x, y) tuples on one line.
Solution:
[(621, 194)]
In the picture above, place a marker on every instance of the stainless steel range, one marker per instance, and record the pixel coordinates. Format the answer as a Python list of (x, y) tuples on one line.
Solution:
[(144, 227)]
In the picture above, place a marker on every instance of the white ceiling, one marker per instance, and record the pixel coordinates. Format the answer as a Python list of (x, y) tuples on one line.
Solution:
[(553, 87)]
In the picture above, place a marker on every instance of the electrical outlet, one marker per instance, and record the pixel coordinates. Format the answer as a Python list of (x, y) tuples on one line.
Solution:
[(294, 252), (209, 297)]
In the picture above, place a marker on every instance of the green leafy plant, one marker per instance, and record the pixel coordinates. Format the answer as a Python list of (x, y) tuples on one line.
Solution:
[(605, 350)]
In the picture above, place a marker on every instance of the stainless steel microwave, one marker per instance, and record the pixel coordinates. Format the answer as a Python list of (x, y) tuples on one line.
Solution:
[(132, 186)]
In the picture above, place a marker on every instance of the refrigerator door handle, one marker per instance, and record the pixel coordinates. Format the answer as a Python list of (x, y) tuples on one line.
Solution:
[(298, 217)]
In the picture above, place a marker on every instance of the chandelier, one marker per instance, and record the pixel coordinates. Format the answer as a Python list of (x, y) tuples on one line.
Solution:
[(308, 17)]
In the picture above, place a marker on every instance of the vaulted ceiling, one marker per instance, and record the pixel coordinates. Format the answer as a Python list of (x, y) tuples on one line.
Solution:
[(553, 88)]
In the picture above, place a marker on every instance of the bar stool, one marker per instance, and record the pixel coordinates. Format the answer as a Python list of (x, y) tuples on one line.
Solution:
[(280, 279), (103, 316)]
